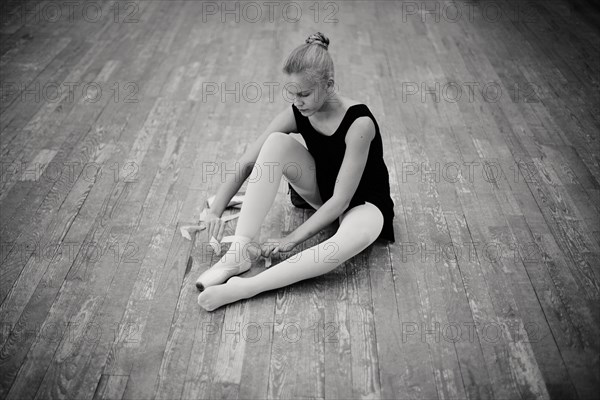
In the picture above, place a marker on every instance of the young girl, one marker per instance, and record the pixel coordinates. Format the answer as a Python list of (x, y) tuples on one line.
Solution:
[(340, 173)]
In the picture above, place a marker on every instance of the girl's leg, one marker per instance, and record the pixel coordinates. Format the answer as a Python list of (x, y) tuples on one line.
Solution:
[(360, 226), (280, 155)]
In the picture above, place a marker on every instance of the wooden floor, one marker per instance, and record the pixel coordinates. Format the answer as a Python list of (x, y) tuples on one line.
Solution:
[(116, 123)]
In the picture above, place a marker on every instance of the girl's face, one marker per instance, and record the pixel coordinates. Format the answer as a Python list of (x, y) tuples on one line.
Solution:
[(308, 96)]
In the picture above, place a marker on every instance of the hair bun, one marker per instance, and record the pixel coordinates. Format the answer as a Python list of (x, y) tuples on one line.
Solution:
[(318, 38)]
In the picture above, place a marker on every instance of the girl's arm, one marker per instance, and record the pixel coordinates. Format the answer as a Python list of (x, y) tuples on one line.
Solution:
[(231, 184), (358, 140)]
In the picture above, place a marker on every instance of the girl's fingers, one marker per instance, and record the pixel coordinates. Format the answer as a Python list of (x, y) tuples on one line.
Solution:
[(273, 250), (269, 248), (265, 251)]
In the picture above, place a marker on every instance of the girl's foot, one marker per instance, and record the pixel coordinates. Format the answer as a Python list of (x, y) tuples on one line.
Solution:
[(234, 290), (237, 260)]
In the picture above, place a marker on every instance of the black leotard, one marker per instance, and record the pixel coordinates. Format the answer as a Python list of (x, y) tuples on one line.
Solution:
[(328, 153)]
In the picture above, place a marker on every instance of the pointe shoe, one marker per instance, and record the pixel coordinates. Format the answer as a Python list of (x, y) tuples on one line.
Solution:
[(236, 263)]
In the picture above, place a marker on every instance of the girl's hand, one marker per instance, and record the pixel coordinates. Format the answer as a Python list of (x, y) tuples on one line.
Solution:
[(277, 245), (215, 226)]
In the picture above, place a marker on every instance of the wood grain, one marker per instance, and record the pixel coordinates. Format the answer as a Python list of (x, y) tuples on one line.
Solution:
[(490, 291)]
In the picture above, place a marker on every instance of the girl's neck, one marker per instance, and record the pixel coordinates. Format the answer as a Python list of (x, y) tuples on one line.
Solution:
[(331, 107)]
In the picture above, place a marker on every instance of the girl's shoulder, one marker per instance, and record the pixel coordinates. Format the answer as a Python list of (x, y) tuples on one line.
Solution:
[(350, 102)]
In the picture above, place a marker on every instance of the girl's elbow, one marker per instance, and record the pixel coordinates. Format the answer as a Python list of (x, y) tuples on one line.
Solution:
[(340, 205)]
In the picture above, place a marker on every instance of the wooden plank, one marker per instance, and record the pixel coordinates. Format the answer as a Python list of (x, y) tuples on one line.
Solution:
[(464, 276), (178, 348), (208, 330), (295, 355), (586, 271), (107, 236), (563, 379), (49, 134), (569, 114), (45, 191), (479, 217), (27, 65), (50, 248), (426, 230), (54, 112), (148, 245), (170, 278), (149, 315), (68, 212), (47, 289), (557, 388), (20, 244), (499, 385), (554, 370), (110, 387), (155, 175), (17, 116)]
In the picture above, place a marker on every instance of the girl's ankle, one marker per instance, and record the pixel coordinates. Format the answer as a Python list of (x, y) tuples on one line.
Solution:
[(243, 251), (249, 248), (248, 289)]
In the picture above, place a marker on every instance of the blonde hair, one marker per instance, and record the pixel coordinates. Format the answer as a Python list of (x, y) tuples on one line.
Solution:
[(311, 58)]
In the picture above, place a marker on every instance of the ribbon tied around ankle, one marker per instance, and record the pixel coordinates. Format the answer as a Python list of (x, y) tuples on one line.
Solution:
[(214, 243)]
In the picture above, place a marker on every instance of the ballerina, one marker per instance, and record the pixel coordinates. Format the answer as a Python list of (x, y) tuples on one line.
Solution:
[(340, 173)]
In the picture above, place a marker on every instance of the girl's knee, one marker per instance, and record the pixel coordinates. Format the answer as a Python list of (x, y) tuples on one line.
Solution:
[(366, 237), (277, 139), (363, 224), (278, 144), (349, 244)]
